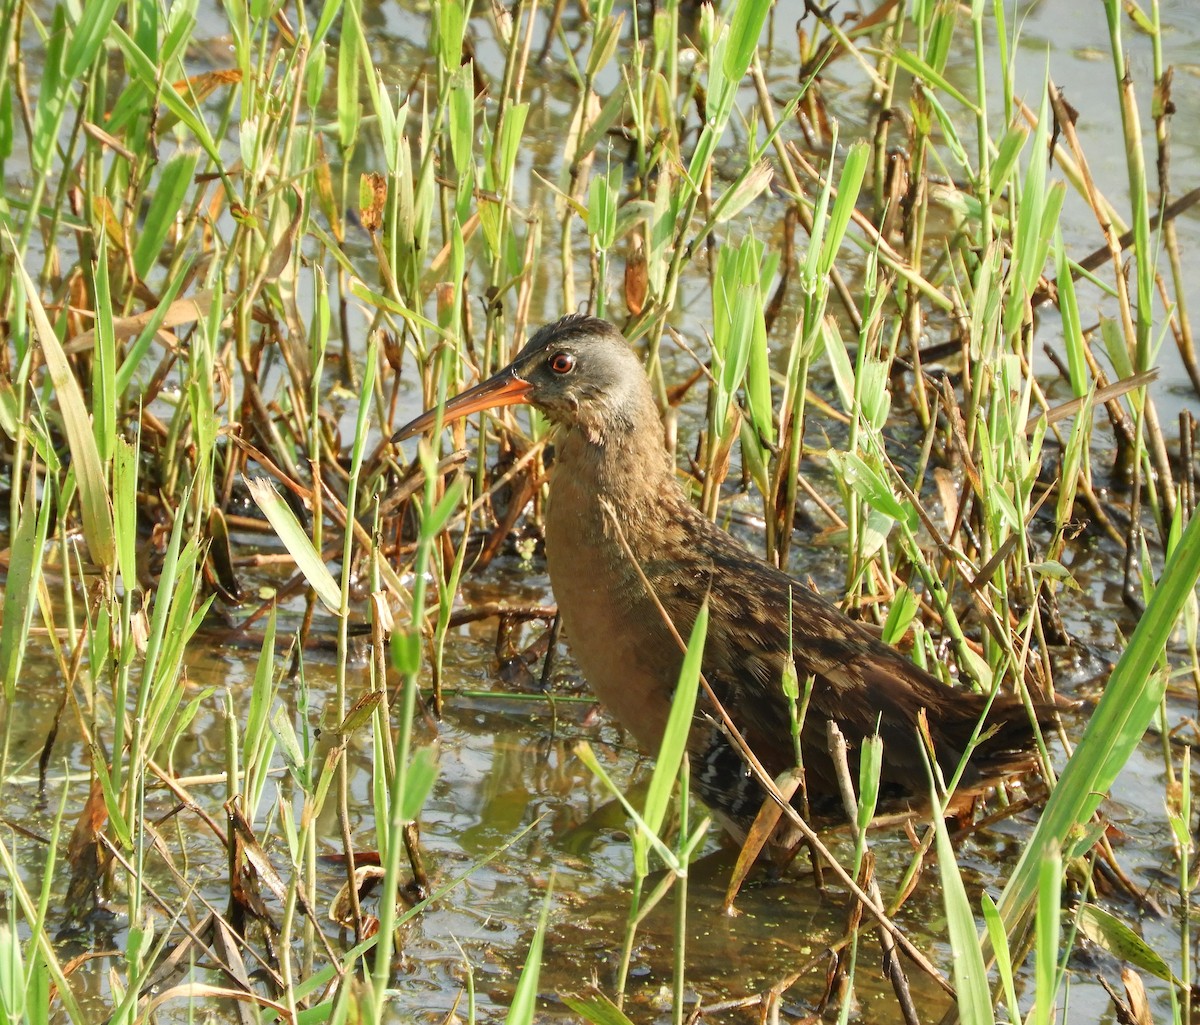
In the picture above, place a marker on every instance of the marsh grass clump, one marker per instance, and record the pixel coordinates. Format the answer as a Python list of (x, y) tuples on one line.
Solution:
[(913, 333)]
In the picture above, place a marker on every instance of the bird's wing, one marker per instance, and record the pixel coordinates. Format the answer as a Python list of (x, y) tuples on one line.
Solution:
[(858, 682)]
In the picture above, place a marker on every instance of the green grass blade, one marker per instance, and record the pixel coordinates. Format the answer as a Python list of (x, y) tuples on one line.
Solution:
[(745, 27), (296, 541), (169, 196), (149, 74), (1049, 934), (21, 585), (1130, 700), (88, 37), (679, 726), (104, 366), (524, 1002), (596, 1008), (915, 66), (422, 773), (125, 478), (1106, 930), (12, 970), (970, 973), (85, 456), (999, 941), (854, 170), (54, 91)]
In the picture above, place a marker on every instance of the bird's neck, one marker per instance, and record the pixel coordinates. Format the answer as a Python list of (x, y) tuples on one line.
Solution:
[(619, 466)]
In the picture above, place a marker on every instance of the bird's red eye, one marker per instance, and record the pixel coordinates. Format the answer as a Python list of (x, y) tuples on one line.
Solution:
[(562, 362)]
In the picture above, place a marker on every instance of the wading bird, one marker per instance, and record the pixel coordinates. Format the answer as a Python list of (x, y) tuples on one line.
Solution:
[(625, 546)]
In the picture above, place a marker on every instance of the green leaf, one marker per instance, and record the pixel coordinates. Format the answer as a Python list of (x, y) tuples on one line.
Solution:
[(679, 726), (1006, 157), (141, 68), (839, 361), (6, 122), (609, 113), (54, 90), (604, 196), (436, 521), (104, 367), (349, 108), (85, 456), (137, 351), (1072, 326), (1004, 967), (604, 42), (871, 487), (12, 972), (745, 28), (360, 713), (172, 189), (125, 476), (1129, 702), (450, 24), (970, 972), (1049, 936), (915, 66), (257, 748), (289, 743), (419, 780), (583, 751), (870, 769), (596, 1008), (751, 184), (297, 542), (406, 652), (524, 1002), (88, 37), (27, 541), (854, 169), (1108, 931), (329, 12), (461, 114), (901, 614)]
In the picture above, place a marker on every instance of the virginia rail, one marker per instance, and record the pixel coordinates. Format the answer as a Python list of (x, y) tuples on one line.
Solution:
[(614, 493)]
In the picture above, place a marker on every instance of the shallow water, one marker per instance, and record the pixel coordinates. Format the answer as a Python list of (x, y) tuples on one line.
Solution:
[(509, 783)]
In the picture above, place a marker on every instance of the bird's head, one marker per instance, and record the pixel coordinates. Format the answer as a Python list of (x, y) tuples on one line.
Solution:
[(578, 371)]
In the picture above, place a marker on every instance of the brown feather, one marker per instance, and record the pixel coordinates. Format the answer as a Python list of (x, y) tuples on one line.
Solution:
[(613, 495)]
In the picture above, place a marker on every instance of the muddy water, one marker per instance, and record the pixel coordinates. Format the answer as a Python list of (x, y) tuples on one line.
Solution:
[(508, 781)]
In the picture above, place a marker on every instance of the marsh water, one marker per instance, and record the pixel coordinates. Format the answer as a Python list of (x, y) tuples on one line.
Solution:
[(512, 806)]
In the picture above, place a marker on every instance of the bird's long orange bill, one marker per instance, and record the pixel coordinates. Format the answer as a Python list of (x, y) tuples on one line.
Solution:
[(504, 389)]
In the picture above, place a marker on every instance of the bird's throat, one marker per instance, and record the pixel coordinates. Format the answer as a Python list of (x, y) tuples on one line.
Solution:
[(609, 504), (624, 471)]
